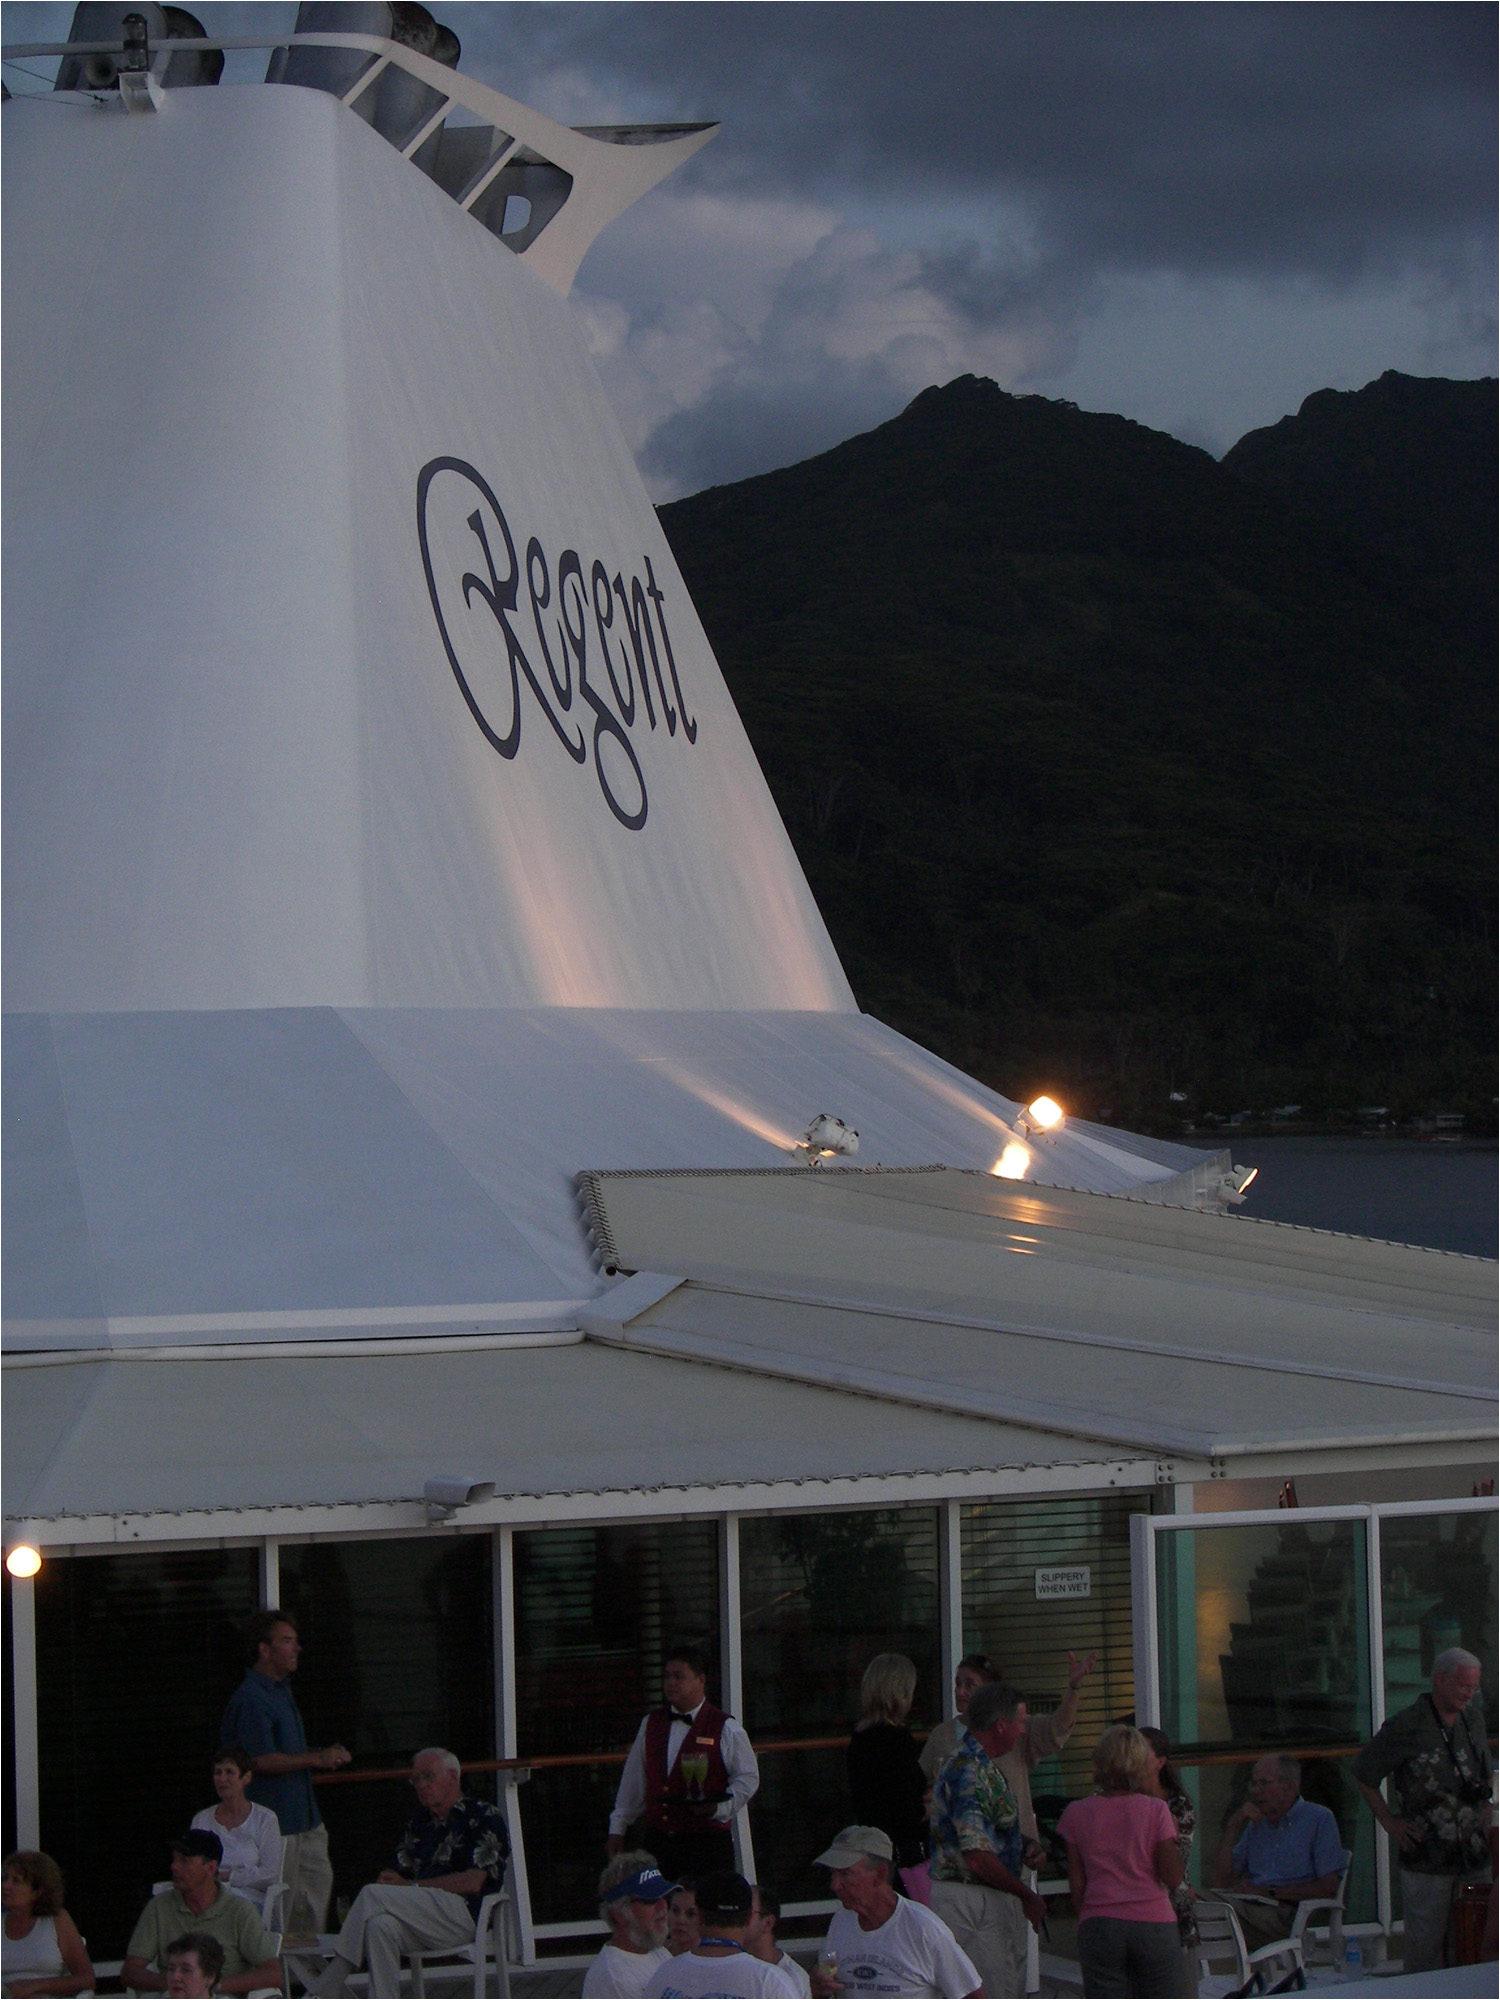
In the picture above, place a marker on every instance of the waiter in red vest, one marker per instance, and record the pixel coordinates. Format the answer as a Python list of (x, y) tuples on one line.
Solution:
[(690, 1770)]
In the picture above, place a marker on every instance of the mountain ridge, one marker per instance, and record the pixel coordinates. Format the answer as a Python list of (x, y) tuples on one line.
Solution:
[(1073, 727)]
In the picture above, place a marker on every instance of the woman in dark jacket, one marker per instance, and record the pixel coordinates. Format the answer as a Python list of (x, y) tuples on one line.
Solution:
[(885, 1778)]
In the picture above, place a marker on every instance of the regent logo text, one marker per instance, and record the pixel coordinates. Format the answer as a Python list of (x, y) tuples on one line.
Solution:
[(593, 649)]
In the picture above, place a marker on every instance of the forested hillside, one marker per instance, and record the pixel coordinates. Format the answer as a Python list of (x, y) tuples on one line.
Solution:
[(1115, 771)]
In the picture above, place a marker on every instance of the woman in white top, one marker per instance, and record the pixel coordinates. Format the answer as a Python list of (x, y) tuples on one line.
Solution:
[(249, 1834), (43, 1952)]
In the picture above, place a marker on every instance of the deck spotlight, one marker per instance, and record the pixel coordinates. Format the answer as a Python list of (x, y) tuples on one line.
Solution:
[(446, 1494), (1236, 1183), (1042, 1114), (826, 1138), (23, 1560), (1013, 1162)]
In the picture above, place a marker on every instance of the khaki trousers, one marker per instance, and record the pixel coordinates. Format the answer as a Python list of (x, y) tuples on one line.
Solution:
[(991, 1928), (308, 1874)]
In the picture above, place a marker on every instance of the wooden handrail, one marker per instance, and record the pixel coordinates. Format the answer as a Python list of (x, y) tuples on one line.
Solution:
[(559, 1763)]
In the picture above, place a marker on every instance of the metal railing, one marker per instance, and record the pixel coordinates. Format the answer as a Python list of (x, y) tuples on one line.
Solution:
[(586, 176)]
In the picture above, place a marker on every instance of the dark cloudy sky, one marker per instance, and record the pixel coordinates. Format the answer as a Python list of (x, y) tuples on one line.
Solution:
[(1192, 214)]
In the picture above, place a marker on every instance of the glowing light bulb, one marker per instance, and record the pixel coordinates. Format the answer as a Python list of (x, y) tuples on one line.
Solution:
[(23, 1560), (1044, 1112), (1013, 1162)]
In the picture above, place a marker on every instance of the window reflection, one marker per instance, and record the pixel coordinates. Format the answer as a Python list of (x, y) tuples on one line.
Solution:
[(1264, 1644)]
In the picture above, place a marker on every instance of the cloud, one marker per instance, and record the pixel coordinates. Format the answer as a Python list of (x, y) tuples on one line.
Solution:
[(1194, 214), (824, 343)]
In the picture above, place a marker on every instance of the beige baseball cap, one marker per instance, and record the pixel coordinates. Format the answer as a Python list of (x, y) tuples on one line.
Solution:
[(856, 1844)]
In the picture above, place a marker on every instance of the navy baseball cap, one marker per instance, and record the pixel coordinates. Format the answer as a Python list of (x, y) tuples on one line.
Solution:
[(647, 1885)]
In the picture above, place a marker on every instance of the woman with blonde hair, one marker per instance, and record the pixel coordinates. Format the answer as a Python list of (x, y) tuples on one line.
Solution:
[(886, 1782), (43, 1952), (1123, 1862)]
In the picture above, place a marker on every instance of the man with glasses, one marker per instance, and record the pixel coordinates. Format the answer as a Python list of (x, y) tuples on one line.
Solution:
[(1278, 1850), (1437, 1756), (451, 1856)]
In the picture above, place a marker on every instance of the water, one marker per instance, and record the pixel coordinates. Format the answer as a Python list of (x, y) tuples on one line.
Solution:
[(1405, 1190)]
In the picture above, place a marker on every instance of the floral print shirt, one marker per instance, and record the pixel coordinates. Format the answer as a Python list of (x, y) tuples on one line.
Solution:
[(470, 1834), (1442, 1779), (1185, 1819), (973, 1807)]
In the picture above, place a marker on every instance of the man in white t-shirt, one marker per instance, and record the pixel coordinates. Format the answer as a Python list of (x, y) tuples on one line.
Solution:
[(719, 1967), (633, 1896), (760, 1938), (879, 1942)]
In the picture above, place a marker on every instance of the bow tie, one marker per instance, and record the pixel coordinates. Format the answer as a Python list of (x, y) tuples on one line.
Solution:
[(678, 1716)]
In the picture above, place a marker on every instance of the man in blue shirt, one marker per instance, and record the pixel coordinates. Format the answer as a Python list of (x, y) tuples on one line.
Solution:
[(263, 1719), (1278, 1846)]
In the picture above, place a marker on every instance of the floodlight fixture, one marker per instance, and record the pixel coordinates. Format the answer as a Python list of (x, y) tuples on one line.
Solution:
[(1041, 1116), (447, 1493), (827, 1138), (23, 1560), (1235, 1185)]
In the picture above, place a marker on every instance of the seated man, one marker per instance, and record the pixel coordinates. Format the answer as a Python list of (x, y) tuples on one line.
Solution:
[(198, 1902), (633, 1896), (452, 1855), (1278, 1845), (195, 1963), (880, 1942), (718, 1964), (760, 1939)]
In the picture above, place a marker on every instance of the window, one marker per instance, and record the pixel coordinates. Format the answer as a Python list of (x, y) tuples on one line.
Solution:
[(595, 1610), (1009, 1548), (397, 1637), (136, 1657), (820, 1595)]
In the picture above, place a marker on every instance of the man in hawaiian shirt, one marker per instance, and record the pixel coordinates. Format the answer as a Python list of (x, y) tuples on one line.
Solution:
[(451, 1856), (976, 1824), (1438, 1760)]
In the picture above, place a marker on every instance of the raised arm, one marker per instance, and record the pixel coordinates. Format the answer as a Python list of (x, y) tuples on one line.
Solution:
[(1224, 1859)]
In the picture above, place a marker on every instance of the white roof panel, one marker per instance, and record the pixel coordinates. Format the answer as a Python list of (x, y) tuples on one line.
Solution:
[(116, 1436)]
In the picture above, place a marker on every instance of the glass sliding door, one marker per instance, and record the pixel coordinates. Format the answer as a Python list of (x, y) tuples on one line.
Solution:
[(1263, 1643), (1437, 1589)]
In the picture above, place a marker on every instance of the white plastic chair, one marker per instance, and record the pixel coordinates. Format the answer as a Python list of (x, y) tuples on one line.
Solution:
[(1221, 1941), (1334, 1905), (490, 1928)]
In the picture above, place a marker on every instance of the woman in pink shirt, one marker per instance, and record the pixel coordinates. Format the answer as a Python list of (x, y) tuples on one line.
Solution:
[(1122, 1860)]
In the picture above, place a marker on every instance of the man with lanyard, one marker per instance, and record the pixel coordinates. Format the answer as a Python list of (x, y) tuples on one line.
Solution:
[(1437, 1757), (719, 1964), (977, 1888), (451, 1856), (263, 1717), (690, 1770)]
